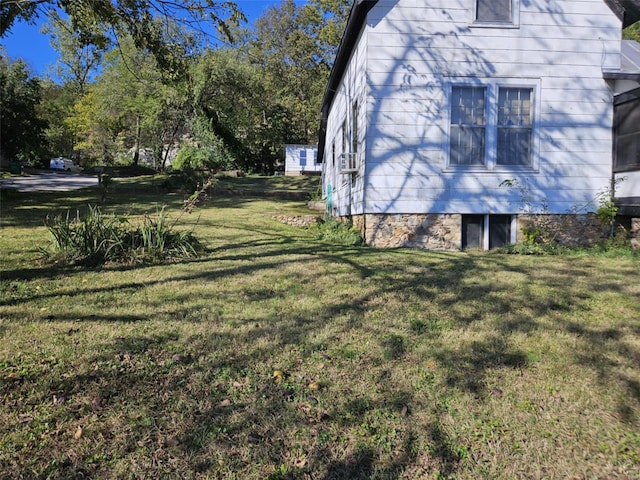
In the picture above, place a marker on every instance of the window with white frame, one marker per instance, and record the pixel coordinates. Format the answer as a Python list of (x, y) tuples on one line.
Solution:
[(515, 126), (492, 125), (496, 13), (350, 143), (467, 126)]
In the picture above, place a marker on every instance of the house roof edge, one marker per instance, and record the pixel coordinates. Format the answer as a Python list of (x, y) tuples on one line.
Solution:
[(355, 22), (626, 10)]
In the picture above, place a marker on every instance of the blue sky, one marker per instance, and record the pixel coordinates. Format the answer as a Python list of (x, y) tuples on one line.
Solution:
[(26, 42)]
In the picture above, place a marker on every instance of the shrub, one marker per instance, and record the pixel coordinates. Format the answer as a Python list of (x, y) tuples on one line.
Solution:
[(533, 248), (342, 233), (98, 238), (187, 180), (194, 157)]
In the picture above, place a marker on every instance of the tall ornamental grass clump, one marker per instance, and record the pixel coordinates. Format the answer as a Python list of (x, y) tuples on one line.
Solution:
[(98, 238)]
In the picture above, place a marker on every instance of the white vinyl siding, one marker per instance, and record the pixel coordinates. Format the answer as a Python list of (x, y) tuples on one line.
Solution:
[(402, 71), (348, 187)]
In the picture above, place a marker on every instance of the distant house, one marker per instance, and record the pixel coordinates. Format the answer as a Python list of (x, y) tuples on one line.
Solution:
[(434, 108), (301, 160)]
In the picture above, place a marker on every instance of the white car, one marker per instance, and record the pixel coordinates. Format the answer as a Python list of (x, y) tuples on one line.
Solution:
[(65, 164)]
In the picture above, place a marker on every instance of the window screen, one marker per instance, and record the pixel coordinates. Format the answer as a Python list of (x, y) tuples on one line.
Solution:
[(354, 127), (514, 126), (494, 11), (627, 131), (467, 125)]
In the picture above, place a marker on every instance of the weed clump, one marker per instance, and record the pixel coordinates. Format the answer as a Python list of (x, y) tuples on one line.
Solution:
[(98, 238), (342, 233)]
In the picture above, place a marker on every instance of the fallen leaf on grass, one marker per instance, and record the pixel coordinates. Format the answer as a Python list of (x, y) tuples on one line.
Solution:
[(225, 403), (314, 386), (78, 434), (171, 442), (96, 402), (301, 463)]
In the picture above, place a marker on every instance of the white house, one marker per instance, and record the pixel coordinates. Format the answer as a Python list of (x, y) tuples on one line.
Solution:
[(626, 152), (433, 107), (301, 160)]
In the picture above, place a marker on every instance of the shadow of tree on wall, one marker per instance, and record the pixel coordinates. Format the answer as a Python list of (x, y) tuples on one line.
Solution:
[(408, 166)]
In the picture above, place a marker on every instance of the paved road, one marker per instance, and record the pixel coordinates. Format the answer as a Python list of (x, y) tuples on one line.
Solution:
[(44, 180)]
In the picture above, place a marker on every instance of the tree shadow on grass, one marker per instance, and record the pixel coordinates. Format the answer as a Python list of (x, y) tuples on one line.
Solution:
[(358, 465), (468, 364), (219, 415)]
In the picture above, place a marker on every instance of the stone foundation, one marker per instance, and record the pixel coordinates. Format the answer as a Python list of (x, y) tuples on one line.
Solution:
[(298, 220), (444, 231), (635, 233), (428, 231), (581, 230)]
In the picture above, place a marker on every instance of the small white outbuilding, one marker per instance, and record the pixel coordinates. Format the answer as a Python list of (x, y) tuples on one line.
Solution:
[(301, 160)]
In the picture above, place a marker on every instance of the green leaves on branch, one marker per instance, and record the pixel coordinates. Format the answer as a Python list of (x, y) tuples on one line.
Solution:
[(22, 128), (95, 22)]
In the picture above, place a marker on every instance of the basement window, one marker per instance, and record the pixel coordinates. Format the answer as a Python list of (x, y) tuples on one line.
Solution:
[(486, 232)]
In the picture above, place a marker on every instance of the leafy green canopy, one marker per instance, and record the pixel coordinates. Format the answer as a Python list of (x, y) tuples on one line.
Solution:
[(96, 21), (22, 128)]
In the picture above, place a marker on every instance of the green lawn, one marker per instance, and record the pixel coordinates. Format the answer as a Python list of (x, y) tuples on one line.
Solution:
[(391, 364)]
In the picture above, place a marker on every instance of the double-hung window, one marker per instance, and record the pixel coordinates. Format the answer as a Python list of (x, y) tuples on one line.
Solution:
[(491, 126)]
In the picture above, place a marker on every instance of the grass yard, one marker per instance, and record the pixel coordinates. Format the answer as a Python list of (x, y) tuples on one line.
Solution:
[(278, 356)]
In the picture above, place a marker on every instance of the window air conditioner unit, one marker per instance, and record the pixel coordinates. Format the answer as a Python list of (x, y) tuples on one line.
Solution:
[(349, 162)]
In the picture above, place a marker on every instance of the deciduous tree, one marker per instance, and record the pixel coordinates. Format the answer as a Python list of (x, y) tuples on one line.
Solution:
[(97, 21), (21, 128)]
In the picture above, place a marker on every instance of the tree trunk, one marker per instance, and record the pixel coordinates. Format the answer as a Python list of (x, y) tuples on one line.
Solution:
[(136, 153)]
